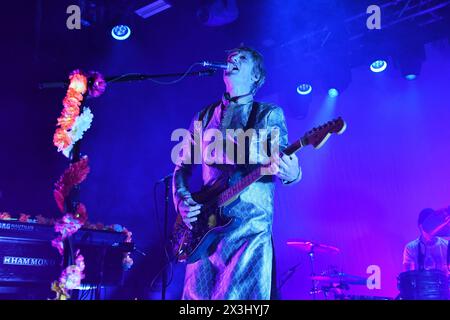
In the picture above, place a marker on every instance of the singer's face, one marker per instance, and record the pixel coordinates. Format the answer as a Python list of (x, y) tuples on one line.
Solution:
[(240, 71)]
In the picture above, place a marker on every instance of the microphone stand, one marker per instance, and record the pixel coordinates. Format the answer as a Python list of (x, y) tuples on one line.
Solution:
[(71, 203), (131, 77), (167, 182), (314, 284), (166, 216), (290, 273)]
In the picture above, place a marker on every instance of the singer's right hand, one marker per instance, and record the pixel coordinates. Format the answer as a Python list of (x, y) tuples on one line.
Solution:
[(189, 210)]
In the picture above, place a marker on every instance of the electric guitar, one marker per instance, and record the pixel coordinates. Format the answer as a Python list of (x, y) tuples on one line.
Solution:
[(190, 244)]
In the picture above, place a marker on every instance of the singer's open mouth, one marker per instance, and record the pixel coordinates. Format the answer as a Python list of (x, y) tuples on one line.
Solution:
[(234, 68)]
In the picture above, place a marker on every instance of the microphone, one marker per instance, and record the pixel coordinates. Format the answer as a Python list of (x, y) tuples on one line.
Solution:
[(216, 65)]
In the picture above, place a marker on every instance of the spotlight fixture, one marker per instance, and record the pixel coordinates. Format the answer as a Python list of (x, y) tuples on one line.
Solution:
[(337, 79), (152, 9), (333, 93), (410, 76), (410, 53), (214, 13), (410, 63), (304, 89), (335, 72), (378, 66), (376, 50), (121, 32)]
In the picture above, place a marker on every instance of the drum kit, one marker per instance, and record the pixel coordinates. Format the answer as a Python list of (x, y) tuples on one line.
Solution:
[(330, 282), (413, 285), (428, 284)]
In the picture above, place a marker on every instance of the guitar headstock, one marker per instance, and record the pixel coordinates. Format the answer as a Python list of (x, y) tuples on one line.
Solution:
[(319, 135)]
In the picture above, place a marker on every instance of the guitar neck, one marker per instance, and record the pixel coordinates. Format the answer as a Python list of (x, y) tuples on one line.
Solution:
[(297, 145), (254, 176)]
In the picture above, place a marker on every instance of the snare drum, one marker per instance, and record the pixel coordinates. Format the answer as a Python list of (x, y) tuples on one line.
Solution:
[(423, 285)]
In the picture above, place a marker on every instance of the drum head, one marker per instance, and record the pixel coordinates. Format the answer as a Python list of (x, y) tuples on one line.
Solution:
[(423, 285)]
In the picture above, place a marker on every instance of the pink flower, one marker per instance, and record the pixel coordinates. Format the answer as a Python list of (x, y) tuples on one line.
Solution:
[(79, 261), (127, 262), (71, 276), (78, 81), (42, 220), (97, 84), (5, 216), (68, 225), (128, 233), (61, 139), (24, 217), (81, 214), (58, 244)]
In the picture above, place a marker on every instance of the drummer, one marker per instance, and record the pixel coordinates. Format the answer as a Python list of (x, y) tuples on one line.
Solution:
[(428, 251)]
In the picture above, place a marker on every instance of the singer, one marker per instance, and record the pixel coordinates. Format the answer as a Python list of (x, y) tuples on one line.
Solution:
[(239, 264)]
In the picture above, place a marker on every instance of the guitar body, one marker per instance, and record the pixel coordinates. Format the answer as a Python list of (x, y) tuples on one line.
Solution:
[(188, 245)]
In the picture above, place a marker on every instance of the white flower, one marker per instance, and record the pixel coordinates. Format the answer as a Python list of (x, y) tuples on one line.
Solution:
[(67, 150), (82, 124)]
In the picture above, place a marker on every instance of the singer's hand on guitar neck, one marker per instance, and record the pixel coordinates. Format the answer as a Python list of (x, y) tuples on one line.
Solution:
[(189, 210), (287, 167)]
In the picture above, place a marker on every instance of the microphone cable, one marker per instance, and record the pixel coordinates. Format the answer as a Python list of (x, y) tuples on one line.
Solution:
[(162, 82)]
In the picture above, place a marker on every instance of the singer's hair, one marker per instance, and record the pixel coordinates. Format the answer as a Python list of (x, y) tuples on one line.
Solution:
[(258, 65)]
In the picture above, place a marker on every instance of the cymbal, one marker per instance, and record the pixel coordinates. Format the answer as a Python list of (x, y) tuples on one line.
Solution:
[(340, 278), (308, 246)]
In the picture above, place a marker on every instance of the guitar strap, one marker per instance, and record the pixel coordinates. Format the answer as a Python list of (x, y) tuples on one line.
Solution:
[(206, 115), (448, 255), (420, 256), (251, 121)]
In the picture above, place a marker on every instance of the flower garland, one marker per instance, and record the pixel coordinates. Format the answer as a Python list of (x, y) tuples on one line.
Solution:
[(71, 124), (40, 219), (70, 223), (71, 102)]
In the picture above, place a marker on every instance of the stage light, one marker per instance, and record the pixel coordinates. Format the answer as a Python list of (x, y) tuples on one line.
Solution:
[(411, 64), (121, 32), (304, 89), (333, 93), (153, 8), (214, 13), (335, 73), (410, 54), (378, 66), (90, 13)]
